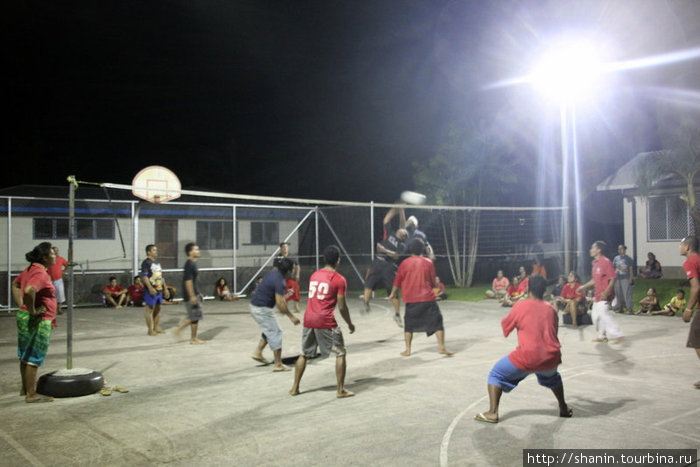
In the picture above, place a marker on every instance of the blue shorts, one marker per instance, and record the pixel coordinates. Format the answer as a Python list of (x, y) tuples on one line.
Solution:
[(153, 300), (506, 376)]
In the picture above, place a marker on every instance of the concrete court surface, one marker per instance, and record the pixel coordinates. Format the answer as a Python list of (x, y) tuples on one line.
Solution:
[(212, 405)]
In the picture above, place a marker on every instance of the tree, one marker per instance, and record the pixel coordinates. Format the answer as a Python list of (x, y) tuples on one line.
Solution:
[(681, 161), (473, 166)]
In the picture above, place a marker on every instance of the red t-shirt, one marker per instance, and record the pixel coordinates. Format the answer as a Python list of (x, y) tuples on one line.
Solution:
[(324, 288), (113, 291), (500, 284), (569, 291), (691, 266), (522, 286), (38, 277), (602, 272), (135, 292), (56, 269), (537, 324), (416, 277)]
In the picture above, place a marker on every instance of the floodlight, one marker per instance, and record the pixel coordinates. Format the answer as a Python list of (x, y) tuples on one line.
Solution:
[(568, 71)]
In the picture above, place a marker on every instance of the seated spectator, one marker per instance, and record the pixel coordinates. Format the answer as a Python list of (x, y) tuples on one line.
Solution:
[(259, 279), (570, 302), (171, 295), (222, 291), (135, 293), (439, 289), (517, 291), (649, 303), (499, 286), (590, 296), (556, 290), (674, 307), (114, 294), (652, 268)]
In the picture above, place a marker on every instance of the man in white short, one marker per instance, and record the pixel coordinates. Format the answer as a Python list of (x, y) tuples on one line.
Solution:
[(603, 280), (321, 331)]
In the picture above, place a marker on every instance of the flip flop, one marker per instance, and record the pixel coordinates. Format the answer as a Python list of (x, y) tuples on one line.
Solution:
[(261, 360), (106, 391), (39, 399), (480, 417), (120, 389), (568, 414)]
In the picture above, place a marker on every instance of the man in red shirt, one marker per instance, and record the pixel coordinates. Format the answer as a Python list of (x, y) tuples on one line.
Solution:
[(538, 351), (115, 295), (415, 277), (691, 266), (56, 273), (326, 290), (603, 278)]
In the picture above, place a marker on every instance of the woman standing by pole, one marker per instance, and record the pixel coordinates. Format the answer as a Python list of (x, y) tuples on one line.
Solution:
[(35, 295)]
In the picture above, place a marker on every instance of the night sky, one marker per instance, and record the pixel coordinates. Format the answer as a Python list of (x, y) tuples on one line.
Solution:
[(317, 99)]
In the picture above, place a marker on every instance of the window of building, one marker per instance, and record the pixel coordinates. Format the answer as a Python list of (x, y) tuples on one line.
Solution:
[(85, 229), (668, 218), (264, 233), (214, 235)]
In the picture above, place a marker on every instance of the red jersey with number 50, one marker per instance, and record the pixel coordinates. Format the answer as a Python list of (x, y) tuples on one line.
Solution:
[(324, 288)]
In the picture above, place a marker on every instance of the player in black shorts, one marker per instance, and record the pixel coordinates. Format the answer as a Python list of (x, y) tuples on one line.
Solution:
[(385, 263)]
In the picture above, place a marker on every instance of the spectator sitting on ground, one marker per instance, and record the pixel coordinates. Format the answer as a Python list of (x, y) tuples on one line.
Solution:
[(499, 286), (652, 268), (114, 294), (570, 301), (439, 289), (674, 307), (516, 292), (135, 293), (590, 296), (555, 294), (171, 295), (649, 303), (223, 292)]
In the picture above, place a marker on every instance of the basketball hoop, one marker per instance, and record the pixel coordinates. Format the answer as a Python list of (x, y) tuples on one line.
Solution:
[(156, 184)]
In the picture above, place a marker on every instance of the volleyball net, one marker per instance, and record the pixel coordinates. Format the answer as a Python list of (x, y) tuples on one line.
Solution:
[(239, 236)]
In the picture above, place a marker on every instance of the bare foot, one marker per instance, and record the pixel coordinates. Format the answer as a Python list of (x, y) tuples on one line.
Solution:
[(566, 412), (294, 392), (344, 394), (160, 331), (38, 398), (445, 352), (599, 339), (197, 341), (406, 353), (152, 333), (618, 340), (280, 368), (487, 417)]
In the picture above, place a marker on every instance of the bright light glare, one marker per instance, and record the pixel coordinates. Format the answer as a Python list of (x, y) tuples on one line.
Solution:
[(568, 72)]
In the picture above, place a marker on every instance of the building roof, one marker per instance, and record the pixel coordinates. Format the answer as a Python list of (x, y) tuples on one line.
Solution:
[(625, 178)]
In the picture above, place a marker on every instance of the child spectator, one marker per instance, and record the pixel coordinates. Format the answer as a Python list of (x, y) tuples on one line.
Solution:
[(517, 291), (649, 303), (674, 307), (439, 290)]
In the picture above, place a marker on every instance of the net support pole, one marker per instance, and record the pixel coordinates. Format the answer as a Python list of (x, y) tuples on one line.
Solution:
[(318, 266), (71, 273)]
